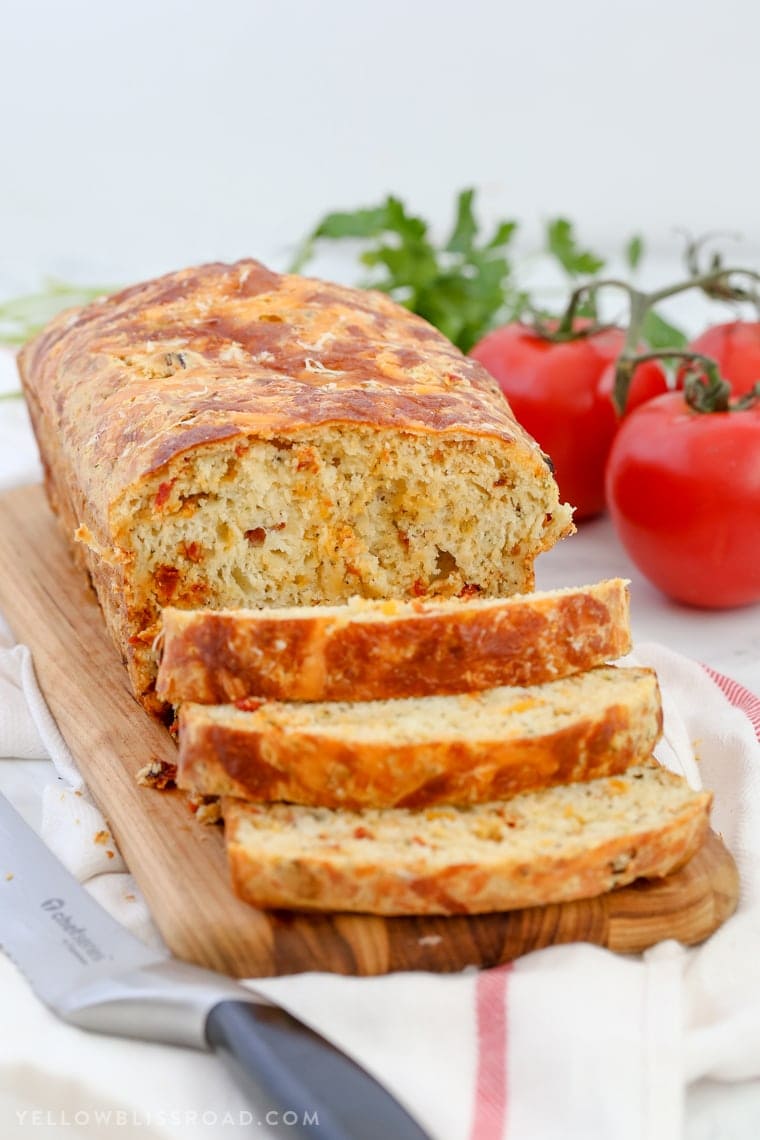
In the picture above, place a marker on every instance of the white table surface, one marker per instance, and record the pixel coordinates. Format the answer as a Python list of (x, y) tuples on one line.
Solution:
[(728, 641)]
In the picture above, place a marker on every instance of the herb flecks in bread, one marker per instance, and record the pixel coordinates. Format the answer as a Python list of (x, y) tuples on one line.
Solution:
[(556, 845), (370, 650), (415, 752)]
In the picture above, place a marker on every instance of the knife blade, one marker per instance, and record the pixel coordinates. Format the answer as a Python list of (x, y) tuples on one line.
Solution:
[(94, 974)]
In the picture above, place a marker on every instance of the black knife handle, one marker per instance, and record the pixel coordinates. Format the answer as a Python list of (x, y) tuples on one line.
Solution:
[(301, 1079)]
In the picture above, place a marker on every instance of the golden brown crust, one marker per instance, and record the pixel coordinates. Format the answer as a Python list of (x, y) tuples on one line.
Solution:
[(215, 657), (218, 351), (254, 758), (337, 881)]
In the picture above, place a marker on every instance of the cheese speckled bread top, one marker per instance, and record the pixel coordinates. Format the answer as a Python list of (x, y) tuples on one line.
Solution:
[(563, 843), (370, 650), (225, 436), (465, 748), (218, 351)]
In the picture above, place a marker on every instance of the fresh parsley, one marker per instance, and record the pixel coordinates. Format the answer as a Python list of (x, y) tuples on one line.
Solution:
[(562, 243), (463, 286), (23, 317)]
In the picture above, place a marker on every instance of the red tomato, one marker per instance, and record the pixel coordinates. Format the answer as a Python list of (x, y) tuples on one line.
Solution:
[(555, 393), (736, 348), (683, 489)]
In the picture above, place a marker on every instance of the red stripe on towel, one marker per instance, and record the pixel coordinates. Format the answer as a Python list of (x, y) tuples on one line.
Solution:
[(489, 1116), (739, 697)]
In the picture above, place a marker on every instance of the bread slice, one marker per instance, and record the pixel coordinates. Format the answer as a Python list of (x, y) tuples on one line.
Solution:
[(569, 842), (226, 436), (370, 650), (465, 748)]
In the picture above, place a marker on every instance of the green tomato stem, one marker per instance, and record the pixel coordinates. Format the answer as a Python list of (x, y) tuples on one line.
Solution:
[(566, 328), (705, 390), (640, 304)]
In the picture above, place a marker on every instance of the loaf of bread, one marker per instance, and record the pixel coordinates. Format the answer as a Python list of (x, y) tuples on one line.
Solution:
[(563, 843), (464, 748), (369, 650), (228, 437)]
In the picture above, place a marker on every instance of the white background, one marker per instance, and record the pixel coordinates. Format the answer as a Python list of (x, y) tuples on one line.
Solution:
[(141, 136)]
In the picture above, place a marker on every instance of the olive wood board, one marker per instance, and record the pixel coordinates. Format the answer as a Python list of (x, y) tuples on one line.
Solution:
[(180, 864)]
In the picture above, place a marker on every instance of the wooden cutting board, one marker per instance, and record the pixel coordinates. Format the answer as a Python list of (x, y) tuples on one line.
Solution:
[(180, 864)]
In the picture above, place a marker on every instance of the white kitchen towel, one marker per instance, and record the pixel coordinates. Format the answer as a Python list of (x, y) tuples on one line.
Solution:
[(572, 1041)]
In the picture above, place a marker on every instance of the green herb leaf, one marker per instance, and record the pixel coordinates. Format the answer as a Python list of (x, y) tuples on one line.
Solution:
[(456, 303), (410, 264), (465, 228), (634, 251), (503, 235), (342, 224), (562, 243), (407, 226), (659, 333), (461, 287), (23, 317), (357, 224)]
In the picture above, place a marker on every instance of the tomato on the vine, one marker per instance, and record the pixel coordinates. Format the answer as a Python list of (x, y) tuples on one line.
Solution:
[(648, 380), (683, 488), (560, 391), (735, 347)]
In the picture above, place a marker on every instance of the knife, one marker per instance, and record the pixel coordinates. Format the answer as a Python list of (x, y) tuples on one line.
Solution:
[(94, 974)]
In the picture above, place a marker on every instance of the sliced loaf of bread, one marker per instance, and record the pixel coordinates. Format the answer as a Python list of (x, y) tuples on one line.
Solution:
[(564, 843), (372, 650), (227, 436), (463, 748)]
